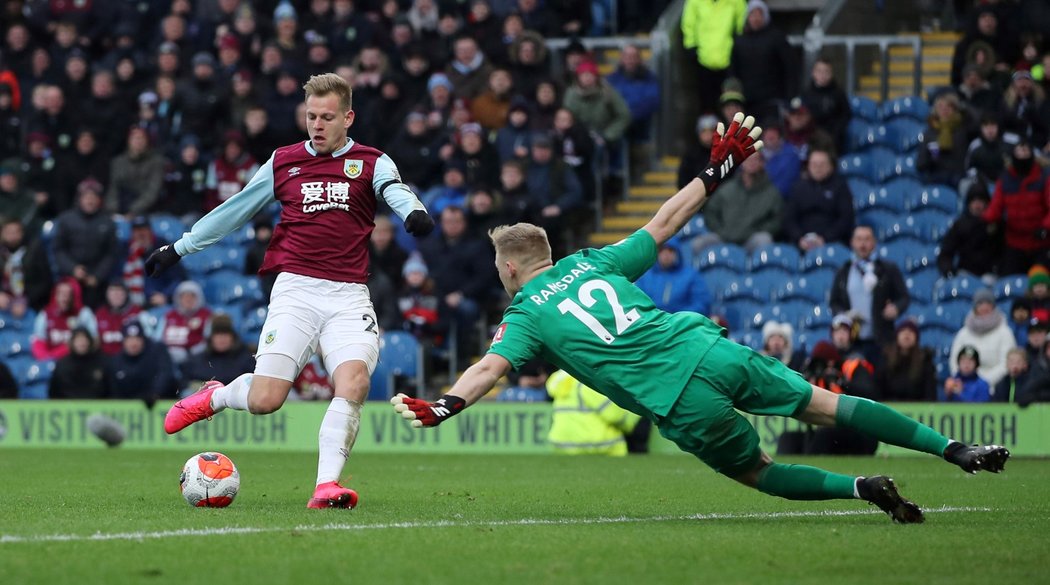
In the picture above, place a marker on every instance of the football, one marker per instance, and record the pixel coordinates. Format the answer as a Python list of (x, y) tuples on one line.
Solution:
[(209, 480)]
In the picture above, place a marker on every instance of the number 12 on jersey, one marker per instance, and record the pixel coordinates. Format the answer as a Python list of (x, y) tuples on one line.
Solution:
[(586, 295)]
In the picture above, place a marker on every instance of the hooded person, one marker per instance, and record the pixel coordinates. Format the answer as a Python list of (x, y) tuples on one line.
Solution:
[(143, 369), (53, 327), (84, 373), (777, 343), (584, 421), (987, 332), (964, 385), (515, 137), (183, 330), (674, 285)]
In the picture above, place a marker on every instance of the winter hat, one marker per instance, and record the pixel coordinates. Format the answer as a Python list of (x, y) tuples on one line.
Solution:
[(438, 79), (970, 352), (842, 320), (470, 127), (706, 122), (222, 323), (148, 98), (908, 323), (730, 96), (977, 191), (772, 328), (414, 263), (1038, 324), (284, 11), (90, 184), (824, 350), (759, 5), (587, 66), (1038, 275), (133, 329), (985, 295), (204, 58)]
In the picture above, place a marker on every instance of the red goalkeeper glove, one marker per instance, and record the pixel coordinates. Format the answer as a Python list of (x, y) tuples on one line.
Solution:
[(428, 414), (730, 148)]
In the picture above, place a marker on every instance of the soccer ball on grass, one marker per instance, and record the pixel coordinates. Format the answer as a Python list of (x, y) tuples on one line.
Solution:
[(209, 480)]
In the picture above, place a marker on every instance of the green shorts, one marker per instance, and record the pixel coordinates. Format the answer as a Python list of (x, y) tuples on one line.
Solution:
[(705, 422)]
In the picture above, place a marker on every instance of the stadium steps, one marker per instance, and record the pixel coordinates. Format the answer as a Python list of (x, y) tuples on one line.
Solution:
[(936, 59), (643, 199)]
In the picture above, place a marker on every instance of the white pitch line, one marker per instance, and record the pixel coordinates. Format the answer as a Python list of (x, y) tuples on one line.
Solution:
[(234, 530)]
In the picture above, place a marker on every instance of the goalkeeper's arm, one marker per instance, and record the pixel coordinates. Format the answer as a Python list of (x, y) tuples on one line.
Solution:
[(471, 386)]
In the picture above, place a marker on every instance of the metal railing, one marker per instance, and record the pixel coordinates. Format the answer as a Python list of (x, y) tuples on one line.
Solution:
[(815, 41)]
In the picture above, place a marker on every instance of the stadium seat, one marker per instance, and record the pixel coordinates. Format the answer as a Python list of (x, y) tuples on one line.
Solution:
[(743, 288), (752, 339), (770, 279), (862, 190), (864, 107), (381, 384), (723, 255), (775, 255), (35, 379), (225, 288), (949, 314), (818, 317), (1013, 286), (793, 311), (861, 134), (123, 228), (829, 255), (807, 338), (893, 195), (740, 314), (901, 250), (213, 259), (937, 338), (962, 286), (883, 164), (902, 134), (921, 284), (167, 228), (922, 259), (694, 227), (814, 288), (522, 394), (252, 325), (239, 237), (929, 224), (858, 165), (19, 364), (719, 279), (903, 166), (912, 107), (402, 356), (939, 197), (882, 221)]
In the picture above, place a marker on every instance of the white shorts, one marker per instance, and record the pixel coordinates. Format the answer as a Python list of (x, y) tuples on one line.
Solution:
[(307, 315)]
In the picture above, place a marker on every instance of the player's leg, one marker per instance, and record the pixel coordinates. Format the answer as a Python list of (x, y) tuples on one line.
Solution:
[(890, 426)]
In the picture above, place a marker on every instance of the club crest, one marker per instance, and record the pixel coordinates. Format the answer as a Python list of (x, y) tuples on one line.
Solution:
[(353, 168), (271, 336)]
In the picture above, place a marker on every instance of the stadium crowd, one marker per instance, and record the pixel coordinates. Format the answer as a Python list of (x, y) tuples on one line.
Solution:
[(123, 124)]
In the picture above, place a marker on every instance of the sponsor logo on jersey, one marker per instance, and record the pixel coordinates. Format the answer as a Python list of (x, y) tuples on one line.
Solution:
[(352, 168), (498, 337), (294, 171), (321, 196), (271, 336)]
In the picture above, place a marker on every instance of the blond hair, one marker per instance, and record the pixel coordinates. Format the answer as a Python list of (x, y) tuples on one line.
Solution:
[(523, 242), (1019, 352), (324, 84)]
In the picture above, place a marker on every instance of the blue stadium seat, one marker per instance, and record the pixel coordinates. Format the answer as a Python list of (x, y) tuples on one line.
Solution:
[(882, 221), (252, 325), (401, 355), (694, 227), (213, 259), (950, 314), (123, 228), (232, 310), (793, 311), (741, 313), (893, 195), (33, 383), (884, 164), (522, 394), (864, 107), (814, 288), (921, 284), (901, 250), (858, 165), (962, 286), (937, 338), (225, 287), (832, 255), (719, 279), (743, 288), (903, 166), (167, 228), (902, 134), (861, 134), (723, 255), (19, 364), (752, 339), (818, 317), (912, 107), (239, 237), (929, 224), (939, 197), (807, 338), (381, 384), (775, 255), (862, 190), (922, 259), (1013, 286), (770, 279)]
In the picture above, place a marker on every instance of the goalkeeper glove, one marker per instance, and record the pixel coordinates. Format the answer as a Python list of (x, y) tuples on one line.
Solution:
[(428, 414), (162, 259), (419, 223), (730, 148)]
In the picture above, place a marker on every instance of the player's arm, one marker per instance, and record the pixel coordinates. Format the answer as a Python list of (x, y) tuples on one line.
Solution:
[(232, 214), (471, 386), (386, 180), (730, 148)]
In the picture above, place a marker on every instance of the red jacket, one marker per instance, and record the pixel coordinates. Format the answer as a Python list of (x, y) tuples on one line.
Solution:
[(1023, 204)]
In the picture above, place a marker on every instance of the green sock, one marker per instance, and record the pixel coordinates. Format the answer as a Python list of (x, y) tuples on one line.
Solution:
[(887, 425), (802, 482)]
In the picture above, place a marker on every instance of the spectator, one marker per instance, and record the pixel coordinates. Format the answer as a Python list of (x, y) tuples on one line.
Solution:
[(547, 103), (75, 84), (802, 131), (416, 150), (243, 93), (964, 385), (553, 187), (224, 358), (1039, 292), (106, 111), (417, 301), (183, 329), (260, 137), (461, 267), (776, 343), (111, 317), (262, 232), (229, 173), (85, 242), (186, 181), (985, 29), (574, 144), (696, 156), (384, 301), (468, 72), (486, 29), (709, 28), (490, 107), (969, 245), (86, 160), (906, 372), (515, 137), (16, 202), (452, 190), (528, 62), (765, 63), (828, 369), (136, 177), (54, 326), (820, 208), (53, 119), (783, 164), (942, 153), (978, 96), (1020, 203), (731, 102), (584, 421), (385, 254), (484, 213), (749, 213), (83, 373), (1024, 110), (281, 102), (356, 29), (1020, 316), (25, 272), (987, 154), (826, 101), (477, 155), (1009, 389), (415, 67), (10, 121), (673, 285), (142, 370), (988, 334), (42, 175), (640, 89), (155, 291), (597, 105), (1035, 338), (386, 111), (873, 290), (313, 382)]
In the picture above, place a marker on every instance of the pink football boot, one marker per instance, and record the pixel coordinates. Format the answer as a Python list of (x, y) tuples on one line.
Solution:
[(332, 495), (192, 408)]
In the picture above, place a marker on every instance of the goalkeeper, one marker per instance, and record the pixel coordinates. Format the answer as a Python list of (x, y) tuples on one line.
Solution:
[(584, 315)]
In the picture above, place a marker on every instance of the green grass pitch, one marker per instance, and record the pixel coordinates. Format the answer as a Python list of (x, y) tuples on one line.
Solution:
[(116, 516)]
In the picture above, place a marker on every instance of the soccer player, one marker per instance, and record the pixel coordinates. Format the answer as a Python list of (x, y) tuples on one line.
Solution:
[(585, 316), (328, 187)]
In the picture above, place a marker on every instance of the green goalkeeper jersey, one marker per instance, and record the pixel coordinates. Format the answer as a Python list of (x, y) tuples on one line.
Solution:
[(586, 316)]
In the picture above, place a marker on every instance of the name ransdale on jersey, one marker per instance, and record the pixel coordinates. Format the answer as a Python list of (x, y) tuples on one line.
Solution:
[(562, 284)]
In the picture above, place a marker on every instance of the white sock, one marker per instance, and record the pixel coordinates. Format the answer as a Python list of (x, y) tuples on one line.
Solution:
[(336, 438), (856, 487), (233, 395)]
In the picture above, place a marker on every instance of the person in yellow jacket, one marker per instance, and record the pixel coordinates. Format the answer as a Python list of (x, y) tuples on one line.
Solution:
[(709, 27), (585, 421)]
